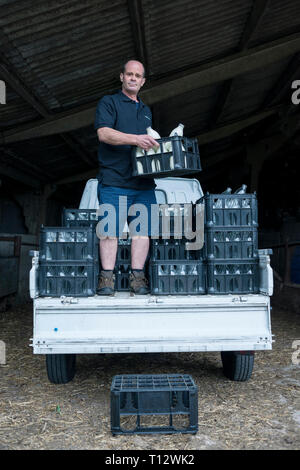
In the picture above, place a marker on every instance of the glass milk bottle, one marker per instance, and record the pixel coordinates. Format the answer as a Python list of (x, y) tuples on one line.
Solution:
[(155, 163), (177, 131), (139, 153), (241, 190)]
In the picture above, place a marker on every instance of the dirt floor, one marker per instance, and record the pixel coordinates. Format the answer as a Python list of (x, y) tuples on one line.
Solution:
[(263, 413)]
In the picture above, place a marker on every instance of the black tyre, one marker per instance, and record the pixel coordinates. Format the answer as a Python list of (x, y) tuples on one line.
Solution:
[(61, 368), (238, 365)]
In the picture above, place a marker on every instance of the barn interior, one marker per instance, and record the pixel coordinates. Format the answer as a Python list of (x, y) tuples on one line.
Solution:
[(228, 70)]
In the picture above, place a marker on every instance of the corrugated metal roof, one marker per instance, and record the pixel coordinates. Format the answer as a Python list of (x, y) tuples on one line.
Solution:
[(62, 49), (180, 34), (68, 54), (191, 109), (249, 91), (281, 18), (16, 112)]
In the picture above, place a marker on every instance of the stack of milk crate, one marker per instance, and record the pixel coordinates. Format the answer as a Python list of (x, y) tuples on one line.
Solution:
[(231, 243), (176, 266), (89, 217), (227, 263)]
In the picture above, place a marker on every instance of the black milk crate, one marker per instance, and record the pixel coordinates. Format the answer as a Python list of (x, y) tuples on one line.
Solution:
[(68, 243), (124, 252), (173, 249), (175, 220), (227, 210), (148, 404), (180, 277), (122, 272), (181, 158), (233, 276), (70, 278), (122, 265), (79, 217), (231, 243)]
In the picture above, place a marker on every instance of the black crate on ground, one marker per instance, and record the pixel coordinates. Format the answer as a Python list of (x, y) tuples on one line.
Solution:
[(233, 276), (227, 243), (227, 210), (68, 243), (173, 249), (148, 404), (79, 217), (180, 159), (178, 277), (70, 278)]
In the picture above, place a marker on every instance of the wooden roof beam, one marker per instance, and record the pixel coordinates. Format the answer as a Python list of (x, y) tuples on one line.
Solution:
[(25, 164), (204, 138), (258, 11), (10, 77), (214, 72), (15, 82), (136, 16), (17, 175), (284, 82)]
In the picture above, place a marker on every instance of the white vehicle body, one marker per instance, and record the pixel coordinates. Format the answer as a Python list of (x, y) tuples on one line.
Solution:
[(127, 323)]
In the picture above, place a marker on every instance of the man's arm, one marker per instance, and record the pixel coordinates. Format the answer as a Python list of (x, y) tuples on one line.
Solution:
[(114, 137)]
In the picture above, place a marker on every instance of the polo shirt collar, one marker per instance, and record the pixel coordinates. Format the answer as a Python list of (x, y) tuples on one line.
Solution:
[(126, 98)]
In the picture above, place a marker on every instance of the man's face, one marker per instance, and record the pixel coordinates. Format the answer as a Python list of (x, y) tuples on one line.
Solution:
[(133, 77)]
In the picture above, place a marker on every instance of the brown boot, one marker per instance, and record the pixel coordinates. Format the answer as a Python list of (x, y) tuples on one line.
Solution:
[(106, 284), (138, 282)]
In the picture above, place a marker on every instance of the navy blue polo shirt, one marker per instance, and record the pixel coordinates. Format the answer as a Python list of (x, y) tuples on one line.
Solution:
[(120, 112)]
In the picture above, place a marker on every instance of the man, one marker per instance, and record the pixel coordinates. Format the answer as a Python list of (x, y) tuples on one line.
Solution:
[(121, 122)]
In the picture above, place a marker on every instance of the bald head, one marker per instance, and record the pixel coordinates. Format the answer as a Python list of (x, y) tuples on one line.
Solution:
[(132, 78), (133, 62)]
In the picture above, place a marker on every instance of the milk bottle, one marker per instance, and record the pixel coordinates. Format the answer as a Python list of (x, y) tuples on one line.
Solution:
[(168, 146), (139, 153), (155, 163)]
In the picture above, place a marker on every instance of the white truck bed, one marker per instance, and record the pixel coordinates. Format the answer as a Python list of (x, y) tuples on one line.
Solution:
[(140, 324), (127, 323)]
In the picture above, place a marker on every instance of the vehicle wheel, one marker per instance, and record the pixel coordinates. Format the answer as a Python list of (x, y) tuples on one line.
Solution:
[(61, 368), (237, 365)]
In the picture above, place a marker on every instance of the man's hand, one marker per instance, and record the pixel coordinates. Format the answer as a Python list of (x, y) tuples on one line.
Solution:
[(146, 142), (114, 137)]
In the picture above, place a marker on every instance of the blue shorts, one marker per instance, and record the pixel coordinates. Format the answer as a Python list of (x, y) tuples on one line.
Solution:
[(121, 205)]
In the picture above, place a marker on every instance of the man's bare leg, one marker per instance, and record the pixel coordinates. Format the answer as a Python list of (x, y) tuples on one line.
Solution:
[(108, 251), (139, 252)]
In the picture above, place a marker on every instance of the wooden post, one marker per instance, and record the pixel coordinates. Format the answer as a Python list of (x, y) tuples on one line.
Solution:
[(46, 193), (287, 262), (256, 155)]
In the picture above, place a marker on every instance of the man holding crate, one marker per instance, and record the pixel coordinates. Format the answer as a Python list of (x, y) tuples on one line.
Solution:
[(121, 122)]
